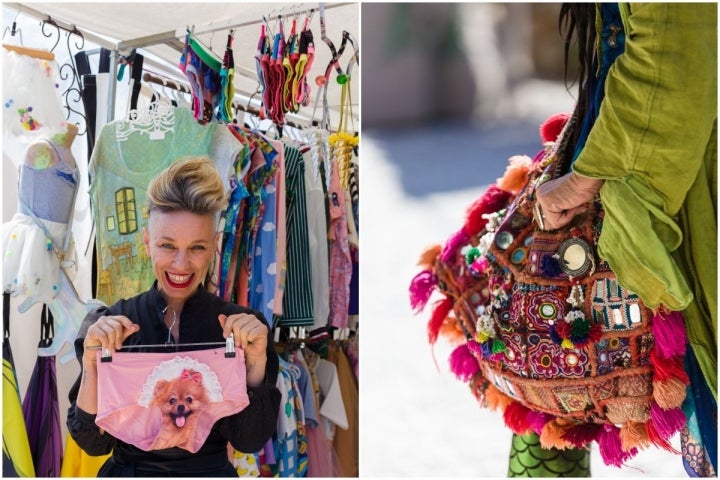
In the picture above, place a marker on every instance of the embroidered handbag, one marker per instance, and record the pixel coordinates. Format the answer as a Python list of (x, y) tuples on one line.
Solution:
[(545, 331)]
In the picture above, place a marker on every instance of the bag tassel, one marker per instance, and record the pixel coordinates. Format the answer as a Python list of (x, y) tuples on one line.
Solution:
[(610, 447), (657, 440), (496, 400), (463, 363), (429, 256), (551, 128), (668, 368), (493, 200), (553, 433), (669, 393), (421, 287), (669, 331), (516, 174), (580, 435), (634, 435), (456, 240), (442, 310), (451, 331), (667, 422), (538, 420), (516, 418)]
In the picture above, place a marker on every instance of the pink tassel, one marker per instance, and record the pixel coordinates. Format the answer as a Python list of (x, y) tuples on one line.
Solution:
[(516, 418), (456, 240), (669, 331), (581, 435), (667, 422), (463, 364), (610, 447), (493, 200), (421, 287), (537, 420)]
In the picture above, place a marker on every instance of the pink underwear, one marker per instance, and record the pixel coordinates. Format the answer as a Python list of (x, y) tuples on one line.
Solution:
[(163, 400)]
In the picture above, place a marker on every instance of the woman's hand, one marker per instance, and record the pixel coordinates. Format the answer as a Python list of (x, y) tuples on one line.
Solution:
[(108, 332), (563, 198), (251, 334)]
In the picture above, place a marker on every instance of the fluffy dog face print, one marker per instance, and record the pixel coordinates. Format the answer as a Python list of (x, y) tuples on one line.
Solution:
[(180, 399)]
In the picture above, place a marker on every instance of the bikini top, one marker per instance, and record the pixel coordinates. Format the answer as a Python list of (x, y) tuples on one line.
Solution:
[(48, 193)]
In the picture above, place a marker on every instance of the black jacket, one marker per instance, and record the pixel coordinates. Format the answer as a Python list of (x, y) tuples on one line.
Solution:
[(247, 431)]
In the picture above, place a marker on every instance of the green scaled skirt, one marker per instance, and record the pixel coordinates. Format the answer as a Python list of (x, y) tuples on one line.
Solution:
[(529, 459)]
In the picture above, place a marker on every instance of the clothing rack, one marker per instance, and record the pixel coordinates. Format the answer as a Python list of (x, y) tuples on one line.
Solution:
[(183, 88)]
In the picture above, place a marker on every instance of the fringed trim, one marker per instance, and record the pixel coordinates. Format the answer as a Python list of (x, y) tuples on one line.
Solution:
[(442, 310), (421, 287)]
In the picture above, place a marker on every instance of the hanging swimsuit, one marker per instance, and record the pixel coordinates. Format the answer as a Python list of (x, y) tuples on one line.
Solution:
[(292, 55), (163, 400)]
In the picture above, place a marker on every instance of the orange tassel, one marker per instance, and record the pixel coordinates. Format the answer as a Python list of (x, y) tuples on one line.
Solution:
[(452, 331), (496, 400), (552, 433), (428, 256), (634, 435), (669, 393), (516, 174)]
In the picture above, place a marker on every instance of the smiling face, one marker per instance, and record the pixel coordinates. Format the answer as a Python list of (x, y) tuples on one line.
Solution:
[(180, 245)]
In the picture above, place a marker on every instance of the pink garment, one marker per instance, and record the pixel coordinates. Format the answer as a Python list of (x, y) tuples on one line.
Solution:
[(280, 228), (319, 452), (163, 400), (340, 259)]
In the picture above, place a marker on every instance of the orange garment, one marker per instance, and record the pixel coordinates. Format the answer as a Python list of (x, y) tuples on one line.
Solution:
[(346, 441)]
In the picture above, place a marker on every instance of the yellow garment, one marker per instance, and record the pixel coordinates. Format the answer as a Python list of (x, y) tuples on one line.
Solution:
[(77, 463), (16, 446), (654, 142)]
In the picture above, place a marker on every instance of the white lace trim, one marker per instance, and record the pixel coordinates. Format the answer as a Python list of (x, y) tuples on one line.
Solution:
[(170, 369), (154, 121)]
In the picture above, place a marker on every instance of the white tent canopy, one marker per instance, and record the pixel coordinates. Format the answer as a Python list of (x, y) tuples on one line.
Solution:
[(158, 31)]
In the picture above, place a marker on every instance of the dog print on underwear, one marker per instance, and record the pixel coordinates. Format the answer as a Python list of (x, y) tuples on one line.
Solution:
[(163, 400)]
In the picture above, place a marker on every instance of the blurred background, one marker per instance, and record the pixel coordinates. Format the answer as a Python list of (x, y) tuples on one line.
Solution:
[(449, 93)]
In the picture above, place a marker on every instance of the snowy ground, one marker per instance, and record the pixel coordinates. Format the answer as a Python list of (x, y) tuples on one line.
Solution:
[(417, 420)]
